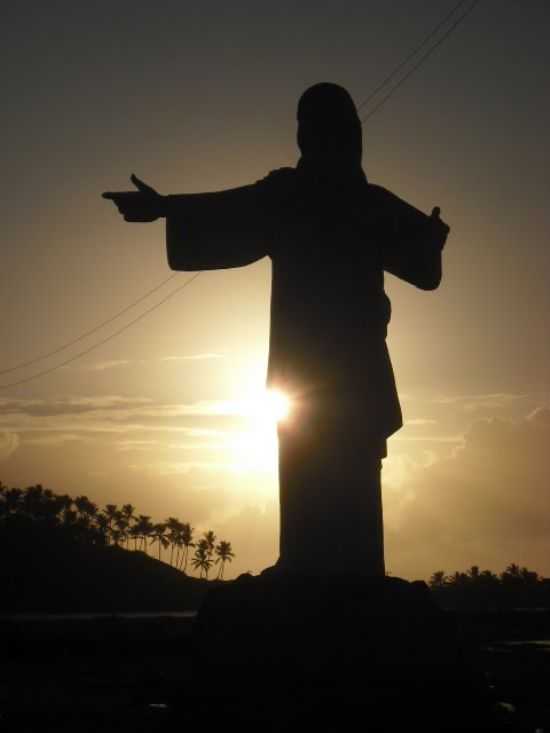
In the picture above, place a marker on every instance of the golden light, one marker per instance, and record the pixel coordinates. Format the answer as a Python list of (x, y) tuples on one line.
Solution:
[(255, 449), (276, 405), (267, 406)]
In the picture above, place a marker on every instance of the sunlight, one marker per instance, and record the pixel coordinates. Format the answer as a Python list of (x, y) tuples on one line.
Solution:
[(255, 449), (262, 406), (271, 406)]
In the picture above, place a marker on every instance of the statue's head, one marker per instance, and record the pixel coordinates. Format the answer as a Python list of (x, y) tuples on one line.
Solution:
[(329, 128)]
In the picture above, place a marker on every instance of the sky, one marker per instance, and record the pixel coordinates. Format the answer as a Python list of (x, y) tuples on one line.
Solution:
[(198, 97)]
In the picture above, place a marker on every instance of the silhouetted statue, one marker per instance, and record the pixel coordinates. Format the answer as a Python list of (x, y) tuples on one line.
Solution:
[(330, 235)]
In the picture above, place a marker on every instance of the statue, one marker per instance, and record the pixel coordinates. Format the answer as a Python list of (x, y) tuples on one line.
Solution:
[(330, 235)]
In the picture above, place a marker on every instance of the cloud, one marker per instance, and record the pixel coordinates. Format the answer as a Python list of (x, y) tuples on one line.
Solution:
[(485, 504), (470, 403), (70, 405), (421, 422), (103, 365), (170, 468), (138, 418), (56, 439), (194, 357), (136, 445), (9, 442)]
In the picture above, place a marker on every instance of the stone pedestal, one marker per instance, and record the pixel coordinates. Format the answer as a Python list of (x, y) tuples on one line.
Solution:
[(286, 652)]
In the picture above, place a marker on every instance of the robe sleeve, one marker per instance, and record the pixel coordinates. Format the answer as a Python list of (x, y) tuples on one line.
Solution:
[(410, 248), (206, 231)]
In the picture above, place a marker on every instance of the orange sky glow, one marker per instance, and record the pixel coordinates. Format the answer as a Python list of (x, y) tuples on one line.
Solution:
[(171, 415)]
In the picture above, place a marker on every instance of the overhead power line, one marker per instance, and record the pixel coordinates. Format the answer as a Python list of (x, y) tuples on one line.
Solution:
[(109, 320), (412, 54), (105, 340), (386, 81), (421, 60)]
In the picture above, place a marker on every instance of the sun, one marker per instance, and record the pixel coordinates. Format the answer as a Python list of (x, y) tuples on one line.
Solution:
[(267, 406), (273, 406), (254, 449)]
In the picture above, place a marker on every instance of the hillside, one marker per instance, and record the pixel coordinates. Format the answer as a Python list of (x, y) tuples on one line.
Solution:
[(44, 569)]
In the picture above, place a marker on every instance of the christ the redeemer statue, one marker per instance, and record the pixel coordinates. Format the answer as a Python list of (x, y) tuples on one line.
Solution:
[(330, 235)]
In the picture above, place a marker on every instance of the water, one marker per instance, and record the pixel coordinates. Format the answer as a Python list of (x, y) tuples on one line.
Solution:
[(93, 616)]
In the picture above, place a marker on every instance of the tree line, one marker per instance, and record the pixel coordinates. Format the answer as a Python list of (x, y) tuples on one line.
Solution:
[(515, 587), (121, 526), (514, 576)]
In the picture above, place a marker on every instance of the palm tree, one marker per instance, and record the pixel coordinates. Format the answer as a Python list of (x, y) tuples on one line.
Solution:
[(110, 512), (159, 535), (102, 526), (458, 580), (32, 497), (121, 524), (438, 579), (488, 578), (187, 541), (225, 554), (14, 500), (3, 491), (512, 575), (135, 531), (128, 512), (143, 530), (117, 536), (173, 526), (210, 538), (529, 577), (65, 506), (202, 558), (87, 512), (50, 507)]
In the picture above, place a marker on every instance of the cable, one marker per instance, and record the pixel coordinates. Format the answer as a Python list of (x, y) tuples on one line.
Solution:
[(411, 55), (105, 340), (388, 78), (23, 364), (421, 60)]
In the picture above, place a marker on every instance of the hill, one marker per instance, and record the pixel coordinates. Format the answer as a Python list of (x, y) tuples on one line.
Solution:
[(45, 569)]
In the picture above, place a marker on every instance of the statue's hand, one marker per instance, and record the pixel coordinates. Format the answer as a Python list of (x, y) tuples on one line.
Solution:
[(142, 205), (438, 229)]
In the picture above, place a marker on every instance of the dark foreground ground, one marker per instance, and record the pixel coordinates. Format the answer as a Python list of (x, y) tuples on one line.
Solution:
[(136, 674)]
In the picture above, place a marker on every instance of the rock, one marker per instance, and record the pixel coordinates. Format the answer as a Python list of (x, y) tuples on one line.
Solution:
[(292, 650)]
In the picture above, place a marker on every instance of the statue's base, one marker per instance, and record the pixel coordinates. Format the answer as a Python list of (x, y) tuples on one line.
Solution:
[(284, 651)]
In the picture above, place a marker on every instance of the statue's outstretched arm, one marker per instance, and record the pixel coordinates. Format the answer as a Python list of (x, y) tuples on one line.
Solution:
[(143, 205), (204, 231), (411, 242)]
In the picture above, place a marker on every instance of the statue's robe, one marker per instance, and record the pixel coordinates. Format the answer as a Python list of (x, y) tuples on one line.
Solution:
[(329, 244)]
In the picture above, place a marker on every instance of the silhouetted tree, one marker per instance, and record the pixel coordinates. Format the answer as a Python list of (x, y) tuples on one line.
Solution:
[(187, 541), (121, 524), (102, 525), (80, 520), (14, 498), (225, 554), (128, 513), (438, 579), (144, 528), (173, 527), (202, 559), (110, 512), (159, 535), (210, 538)]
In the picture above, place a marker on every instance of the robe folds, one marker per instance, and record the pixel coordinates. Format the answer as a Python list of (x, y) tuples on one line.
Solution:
[(329, 245)]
